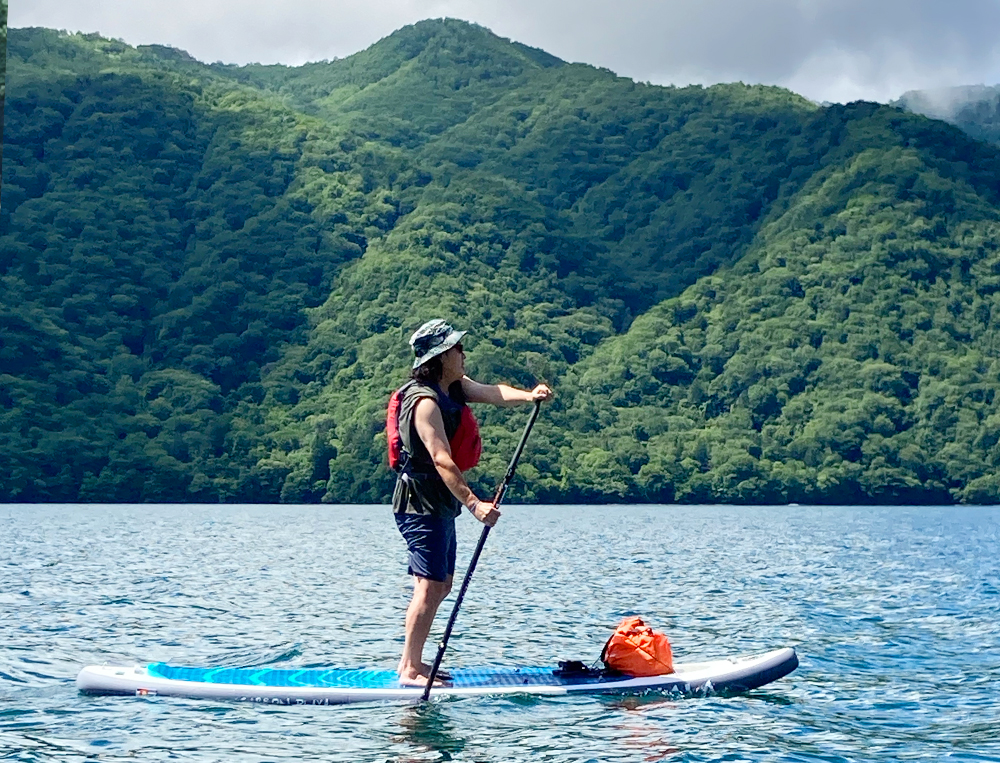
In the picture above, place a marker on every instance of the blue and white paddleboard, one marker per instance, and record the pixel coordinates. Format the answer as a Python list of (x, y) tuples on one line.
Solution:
[(332, 686)]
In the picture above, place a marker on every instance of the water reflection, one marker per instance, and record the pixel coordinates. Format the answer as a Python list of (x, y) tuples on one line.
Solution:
[(763, 696), (643, 729), (638, 702), (654, 700), (426, 728)]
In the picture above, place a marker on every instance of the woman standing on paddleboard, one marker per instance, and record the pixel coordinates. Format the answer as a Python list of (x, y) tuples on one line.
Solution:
[(430, 490)]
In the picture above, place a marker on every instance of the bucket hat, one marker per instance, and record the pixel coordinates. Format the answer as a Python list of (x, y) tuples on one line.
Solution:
[(432, 339)]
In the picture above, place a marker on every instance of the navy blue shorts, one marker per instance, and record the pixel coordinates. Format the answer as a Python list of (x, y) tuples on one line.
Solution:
[(431, 543)]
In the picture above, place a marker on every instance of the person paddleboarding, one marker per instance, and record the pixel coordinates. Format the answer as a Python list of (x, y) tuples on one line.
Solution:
[(436, 436)]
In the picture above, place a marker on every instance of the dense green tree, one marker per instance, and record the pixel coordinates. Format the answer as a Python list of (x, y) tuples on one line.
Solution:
[(3, 65), (208, 274)]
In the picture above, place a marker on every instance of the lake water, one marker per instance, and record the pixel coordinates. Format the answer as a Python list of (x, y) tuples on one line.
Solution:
[(894, 612)]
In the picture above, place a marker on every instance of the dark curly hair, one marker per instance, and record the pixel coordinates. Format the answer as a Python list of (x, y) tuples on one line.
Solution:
[(431, 373)]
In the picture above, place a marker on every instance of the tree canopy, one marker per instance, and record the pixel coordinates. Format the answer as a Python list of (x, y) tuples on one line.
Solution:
[(208, 274)]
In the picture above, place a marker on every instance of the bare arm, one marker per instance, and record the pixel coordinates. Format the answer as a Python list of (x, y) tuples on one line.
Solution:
[(430, 430), (502, 394)]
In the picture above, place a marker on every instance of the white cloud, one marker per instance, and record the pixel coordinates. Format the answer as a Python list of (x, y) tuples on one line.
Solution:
[(842, 75)]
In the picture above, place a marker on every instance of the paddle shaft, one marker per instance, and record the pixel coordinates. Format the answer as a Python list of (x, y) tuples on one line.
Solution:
[(497, 500)]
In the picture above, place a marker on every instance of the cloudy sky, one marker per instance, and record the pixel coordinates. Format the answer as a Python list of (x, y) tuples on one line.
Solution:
[(827, 50)]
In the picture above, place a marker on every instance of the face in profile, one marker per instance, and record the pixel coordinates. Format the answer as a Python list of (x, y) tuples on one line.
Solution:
[(453, 361)]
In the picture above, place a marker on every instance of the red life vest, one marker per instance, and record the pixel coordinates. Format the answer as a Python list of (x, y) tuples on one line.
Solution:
[(466, 444)]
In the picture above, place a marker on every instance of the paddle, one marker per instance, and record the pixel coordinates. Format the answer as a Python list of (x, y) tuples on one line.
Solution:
[(497, 499)]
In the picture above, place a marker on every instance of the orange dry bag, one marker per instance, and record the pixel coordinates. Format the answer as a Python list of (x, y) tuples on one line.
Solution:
[(637, 650)]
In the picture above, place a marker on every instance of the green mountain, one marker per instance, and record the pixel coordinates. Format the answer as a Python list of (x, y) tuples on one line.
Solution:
[(208, 274), (3, 64)]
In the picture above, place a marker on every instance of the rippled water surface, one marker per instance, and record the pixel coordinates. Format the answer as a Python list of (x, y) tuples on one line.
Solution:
[(895, 613)]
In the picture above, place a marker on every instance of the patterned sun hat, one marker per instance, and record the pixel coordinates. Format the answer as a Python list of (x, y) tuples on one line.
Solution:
[(432, 339)]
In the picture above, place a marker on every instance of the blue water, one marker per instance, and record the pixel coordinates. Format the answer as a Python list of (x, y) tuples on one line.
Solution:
[(895, 613)]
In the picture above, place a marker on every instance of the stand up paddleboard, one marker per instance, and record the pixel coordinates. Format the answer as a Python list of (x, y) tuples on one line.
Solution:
[(333, 686)]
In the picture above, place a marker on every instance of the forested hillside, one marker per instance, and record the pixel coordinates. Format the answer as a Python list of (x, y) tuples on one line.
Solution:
[(208, 274), (3, 64)]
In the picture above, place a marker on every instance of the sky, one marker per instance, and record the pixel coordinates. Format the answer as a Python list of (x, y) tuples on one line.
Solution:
[(826, 50)]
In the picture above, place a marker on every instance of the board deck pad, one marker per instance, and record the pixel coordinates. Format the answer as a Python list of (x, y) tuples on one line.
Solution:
[(366, 679), (329, 686)]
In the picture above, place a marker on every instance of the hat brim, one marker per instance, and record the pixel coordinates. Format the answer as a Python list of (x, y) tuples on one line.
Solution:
[(449, 341)]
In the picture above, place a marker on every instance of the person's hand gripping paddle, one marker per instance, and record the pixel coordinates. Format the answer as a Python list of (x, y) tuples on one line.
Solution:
[(497, 500)]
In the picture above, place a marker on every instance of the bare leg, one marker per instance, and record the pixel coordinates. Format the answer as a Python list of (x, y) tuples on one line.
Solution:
[(427, 597)]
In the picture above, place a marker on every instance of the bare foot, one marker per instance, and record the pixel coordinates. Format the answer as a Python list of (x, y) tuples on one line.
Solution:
[(425, 670), (407, 673), (415, 679)]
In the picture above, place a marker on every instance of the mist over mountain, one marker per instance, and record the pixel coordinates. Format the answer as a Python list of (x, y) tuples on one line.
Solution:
[(208, 274), (973, 108)]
